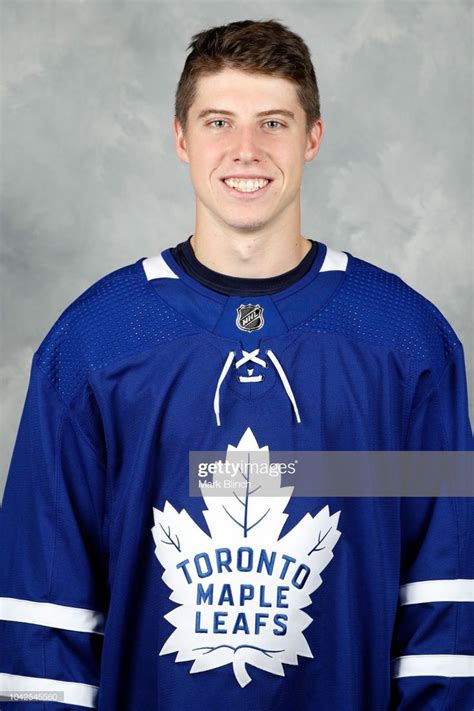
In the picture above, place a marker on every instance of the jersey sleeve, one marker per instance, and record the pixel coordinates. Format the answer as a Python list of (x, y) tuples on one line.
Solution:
[(433, 640), (53, 553), (439, 418)]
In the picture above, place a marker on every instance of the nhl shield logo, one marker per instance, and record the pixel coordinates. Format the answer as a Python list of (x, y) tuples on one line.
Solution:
[(249, 317)]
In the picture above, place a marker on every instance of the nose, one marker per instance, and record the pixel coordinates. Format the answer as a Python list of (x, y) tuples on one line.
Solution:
[(246, 147)]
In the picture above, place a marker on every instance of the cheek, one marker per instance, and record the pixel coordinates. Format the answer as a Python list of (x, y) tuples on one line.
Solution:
[(288, 157), (293, 166), (206, 157)]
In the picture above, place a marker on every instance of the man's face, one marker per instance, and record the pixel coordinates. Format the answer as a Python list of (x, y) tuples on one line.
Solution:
[(237, 126)]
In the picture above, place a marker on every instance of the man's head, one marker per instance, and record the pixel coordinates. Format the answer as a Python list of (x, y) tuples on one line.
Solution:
[(257, 81)]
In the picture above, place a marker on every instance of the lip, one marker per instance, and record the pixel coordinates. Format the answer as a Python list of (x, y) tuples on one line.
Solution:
[(242, 176), (246, 196)]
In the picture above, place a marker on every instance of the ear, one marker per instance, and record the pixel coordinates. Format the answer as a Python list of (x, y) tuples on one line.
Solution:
[(180, 141), (313, 140)]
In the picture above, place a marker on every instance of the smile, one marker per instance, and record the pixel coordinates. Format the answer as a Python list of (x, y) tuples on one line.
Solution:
[(246, 188)]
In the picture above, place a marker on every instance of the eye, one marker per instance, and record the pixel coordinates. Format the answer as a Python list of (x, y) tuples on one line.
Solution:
[(216, 121), (277, 124)]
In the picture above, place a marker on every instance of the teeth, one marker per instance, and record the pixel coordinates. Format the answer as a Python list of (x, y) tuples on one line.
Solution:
[(246, 186)]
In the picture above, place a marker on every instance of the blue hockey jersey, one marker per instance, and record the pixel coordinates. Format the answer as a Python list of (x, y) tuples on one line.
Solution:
[(121, 591)]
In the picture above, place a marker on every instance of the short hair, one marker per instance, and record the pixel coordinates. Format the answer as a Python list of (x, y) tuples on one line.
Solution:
[(265, 47)]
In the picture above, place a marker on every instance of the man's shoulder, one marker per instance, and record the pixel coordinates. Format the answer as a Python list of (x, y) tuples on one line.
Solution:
[(377, 306), (396, 298), (115, 317)]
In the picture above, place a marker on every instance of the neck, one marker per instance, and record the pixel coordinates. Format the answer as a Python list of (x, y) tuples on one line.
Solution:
[(250, 256)]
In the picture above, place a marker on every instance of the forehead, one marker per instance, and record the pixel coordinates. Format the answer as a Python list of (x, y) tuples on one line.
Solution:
[(235, 90)]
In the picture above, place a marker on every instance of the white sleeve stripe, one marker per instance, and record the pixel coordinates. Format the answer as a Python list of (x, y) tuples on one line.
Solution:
[(76, 619), (74, 693), (334, 261), (437, 591), (434, 665), (156, 268)]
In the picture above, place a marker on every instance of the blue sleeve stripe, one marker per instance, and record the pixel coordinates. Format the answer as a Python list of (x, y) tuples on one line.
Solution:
[(448, 665), (71, 692), (460, 590), (77, 619)]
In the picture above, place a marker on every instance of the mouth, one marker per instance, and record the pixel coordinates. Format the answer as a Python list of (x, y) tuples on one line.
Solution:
[(247, 190)]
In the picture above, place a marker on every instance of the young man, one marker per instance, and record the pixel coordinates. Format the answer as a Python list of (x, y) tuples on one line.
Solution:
[(120, 589)]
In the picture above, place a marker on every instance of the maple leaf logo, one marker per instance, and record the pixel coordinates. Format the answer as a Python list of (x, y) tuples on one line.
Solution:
[(240, 590)]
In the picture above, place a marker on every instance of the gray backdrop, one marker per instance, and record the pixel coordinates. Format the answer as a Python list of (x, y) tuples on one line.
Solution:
[(90, 180)]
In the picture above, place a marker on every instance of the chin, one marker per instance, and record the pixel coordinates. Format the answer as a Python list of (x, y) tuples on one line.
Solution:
[(247, 226)]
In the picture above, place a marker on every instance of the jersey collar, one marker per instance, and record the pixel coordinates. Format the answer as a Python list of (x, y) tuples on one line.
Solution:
[(221, 314)]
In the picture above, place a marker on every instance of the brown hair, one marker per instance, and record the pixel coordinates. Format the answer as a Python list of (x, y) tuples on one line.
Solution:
[(265, 46)]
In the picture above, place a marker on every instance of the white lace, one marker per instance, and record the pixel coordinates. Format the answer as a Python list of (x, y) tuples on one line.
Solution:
[(252, 356)]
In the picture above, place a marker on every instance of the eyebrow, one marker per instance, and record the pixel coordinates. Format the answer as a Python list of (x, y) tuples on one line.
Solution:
[(282, 112)]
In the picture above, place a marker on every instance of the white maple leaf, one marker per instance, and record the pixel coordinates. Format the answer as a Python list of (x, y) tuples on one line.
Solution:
[(228, 584)]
